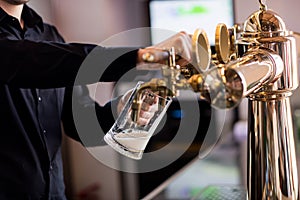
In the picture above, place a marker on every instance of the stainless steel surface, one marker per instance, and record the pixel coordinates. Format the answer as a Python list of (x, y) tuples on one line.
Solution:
[(263, 21), (228, 85), (272, 166)]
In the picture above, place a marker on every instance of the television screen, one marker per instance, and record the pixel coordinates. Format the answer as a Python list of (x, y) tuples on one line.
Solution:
[(169, 16)]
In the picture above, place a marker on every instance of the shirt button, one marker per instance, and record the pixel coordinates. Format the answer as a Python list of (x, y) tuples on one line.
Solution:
[(39, 98), (44, 131), (51, 167)]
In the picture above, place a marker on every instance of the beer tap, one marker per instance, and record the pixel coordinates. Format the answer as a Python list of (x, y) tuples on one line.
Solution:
[(259, 62), (263, 68)]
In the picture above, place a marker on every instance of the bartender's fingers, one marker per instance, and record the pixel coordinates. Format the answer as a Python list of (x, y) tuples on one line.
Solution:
[(147, 112), (143, 121), (151, 58), (145, 117), (183, 48), (149, 107), (154, 55), (182, 43)]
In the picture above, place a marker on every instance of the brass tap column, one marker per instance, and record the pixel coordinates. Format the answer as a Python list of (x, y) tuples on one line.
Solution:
[(263, 68), (272, 168)]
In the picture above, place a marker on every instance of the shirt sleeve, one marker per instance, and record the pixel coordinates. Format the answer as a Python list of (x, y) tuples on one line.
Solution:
[(30, 64), (84, 120)]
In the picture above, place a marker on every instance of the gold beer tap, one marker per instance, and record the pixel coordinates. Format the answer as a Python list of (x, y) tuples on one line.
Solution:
[(164, 87), (257, 61), (263, 68), (272, 167)]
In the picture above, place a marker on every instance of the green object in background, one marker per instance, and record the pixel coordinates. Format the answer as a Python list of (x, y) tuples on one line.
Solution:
[(192, 11), (222, 192), (195, 191)]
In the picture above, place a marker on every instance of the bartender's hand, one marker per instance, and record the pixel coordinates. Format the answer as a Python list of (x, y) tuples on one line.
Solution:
[(182, 43), (148, 107)]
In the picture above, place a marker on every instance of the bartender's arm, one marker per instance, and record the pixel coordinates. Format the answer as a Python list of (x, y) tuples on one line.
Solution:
[(27, 63)]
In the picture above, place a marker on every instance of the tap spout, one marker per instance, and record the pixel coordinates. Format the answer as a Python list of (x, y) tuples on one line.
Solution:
[(226, 85)]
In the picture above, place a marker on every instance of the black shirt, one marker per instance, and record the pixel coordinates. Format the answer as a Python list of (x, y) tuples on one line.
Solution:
[(36, 66)]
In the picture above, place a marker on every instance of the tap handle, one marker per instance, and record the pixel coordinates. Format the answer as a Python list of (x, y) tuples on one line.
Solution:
[(172, 57), (154, 55), (263, 5)]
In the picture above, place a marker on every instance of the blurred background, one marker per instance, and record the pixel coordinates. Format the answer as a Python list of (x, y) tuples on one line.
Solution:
[(96, 21)]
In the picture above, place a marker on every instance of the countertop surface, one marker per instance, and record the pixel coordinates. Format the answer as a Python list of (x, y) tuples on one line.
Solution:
[(219, 171)]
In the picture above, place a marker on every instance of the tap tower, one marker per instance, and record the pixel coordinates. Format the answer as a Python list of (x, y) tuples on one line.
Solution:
[(272, 167), (258, 61)]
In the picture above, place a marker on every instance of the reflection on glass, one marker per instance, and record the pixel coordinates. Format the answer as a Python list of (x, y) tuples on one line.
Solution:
[(130, 138)]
